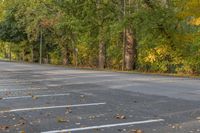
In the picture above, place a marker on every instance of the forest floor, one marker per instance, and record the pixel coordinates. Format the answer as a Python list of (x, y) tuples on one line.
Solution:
[(49, 99)]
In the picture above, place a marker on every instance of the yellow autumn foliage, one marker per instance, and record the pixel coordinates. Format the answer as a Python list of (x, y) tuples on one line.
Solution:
[(186, 37), (190, 8), (195, 21), (156, 53), (150, 58)]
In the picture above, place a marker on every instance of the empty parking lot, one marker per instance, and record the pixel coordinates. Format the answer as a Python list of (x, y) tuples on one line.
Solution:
[(48, 99)]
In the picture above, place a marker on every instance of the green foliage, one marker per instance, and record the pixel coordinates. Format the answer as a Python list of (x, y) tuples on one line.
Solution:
[(10, 30), (167, 32)]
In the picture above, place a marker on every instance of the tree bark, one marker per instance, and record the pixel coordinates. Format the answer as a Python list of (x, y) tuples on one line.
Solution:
[(23, 55), (102, 47), (65, 55), (32, 53), (10, 53), (130, 50), (102, 54)]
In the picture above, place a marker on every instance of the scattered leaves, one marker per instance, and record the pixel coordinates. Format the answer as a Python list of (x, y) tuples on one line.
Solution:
[(92, 117), (69, 110), (82, 96), (138, 131), (175, 126), (120, 116), (3, 127), (78, 123), (22, 132), (62, 120), (122, 130), (19, 124), (34, 97), (198, 118)]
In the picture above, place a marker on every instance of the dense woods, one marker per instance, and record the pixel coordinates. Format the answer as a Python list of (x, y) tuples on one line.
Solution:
[(145, 35)]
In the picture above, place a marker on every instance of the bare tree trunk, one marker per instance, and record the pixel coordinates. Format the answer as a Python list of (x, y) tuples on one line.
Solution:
[(102, 54), (10, 53), (102, 47), (32, 54), (65, 55), (41, 46), (124, 36), (5, 51), (130, 50), (23, 55)]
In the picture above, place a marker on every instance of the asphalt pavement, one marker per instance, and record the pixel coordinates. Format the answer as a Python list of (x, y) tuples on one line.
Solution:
[(49, 99)]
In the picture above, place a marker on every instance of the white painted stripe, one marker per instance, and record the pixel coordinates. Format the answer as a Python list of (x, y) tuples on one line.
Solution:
[(37, 96), (51, 107), (97, 81), (70, 77), (105, 126), (67, 83), (71, 83), (24, 82), (24, 89)]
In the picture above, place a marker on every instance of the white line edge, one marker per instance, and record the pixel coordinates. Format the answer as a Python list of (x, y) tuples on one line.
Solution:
[(51, 107), (105, 126)]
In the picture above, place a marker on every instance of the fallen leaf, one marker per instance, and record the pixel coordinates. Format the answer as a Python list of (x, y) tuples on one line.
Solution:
[(119, 116), (138, 131), (34, 97), (78, 123), (92, 117), (69, 110), (62, 120), (198, 118), (4, 127), (82, 96), (132, 131), (122, 130)]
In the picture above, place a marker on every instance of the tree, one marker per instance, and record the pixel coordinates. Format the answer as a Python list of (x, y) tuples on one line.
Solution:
[(160, 35)]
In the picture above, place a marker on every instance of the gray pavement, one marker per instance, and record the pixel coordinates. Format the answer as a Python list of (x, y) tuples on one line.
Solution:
[(48, 99)]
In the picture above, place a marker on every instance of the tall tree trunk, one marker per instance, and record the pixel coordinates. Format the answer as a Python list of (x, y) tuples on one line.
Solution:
[(102, 47), (102, 54), (23, 55), (65, 55), (5, 53), (10, 53), (32, 53), (123, 3), (5, 50), (130, 50), (41, 46)]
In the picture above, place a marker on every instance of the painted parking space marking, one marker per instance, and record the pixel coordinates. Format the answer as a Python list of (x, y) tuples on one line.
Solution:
[(51, 107), (24, 82), (67, 83), (36, 96), (22, 89), (105, 126)]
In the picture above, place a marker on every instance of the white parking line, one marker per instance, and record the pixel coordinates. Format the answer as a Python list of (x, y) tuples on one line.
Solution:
[(36, 96), (105, 126), (66, 83), (6, 82), (70, 77), (51, 107), (24, 89)]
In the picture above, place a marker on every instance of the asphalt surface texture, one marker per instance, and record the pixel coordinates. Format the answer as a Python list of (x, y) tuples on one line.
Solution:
[(48, 99)]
